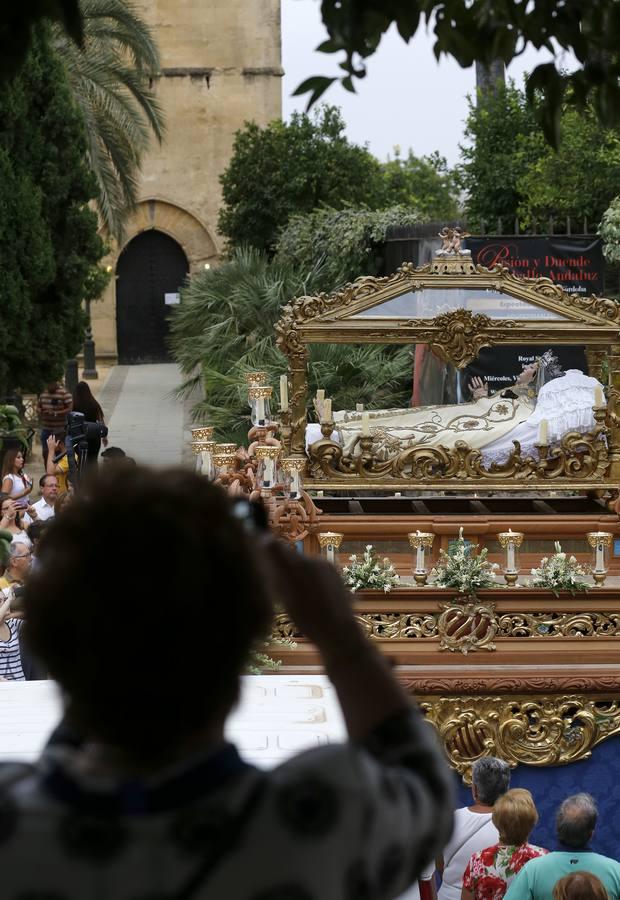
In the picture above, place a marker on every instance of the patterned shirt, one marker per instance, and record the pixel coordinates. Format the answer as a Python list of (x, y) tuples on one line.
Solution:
[(10, 654), (339, 822), (53, 407), (490, 871)]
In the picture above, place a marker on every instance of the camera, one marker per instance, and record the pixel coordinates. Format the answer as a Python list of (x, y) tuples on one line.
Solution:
[(80, 435)]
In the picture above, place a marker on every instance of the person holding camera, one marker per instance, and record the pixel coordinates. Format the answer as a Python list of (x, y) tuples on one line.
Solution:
[(12, 519), (85, 403), (138, 789), (58, 461)]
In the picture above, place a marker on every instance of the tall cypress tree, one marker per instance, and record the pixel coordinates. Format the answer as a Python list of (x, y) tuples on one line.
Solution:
[(48, 233)]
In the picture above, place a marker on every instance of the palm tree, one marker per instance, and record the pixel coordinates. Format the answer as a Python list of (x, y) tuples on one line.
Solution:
[(224, 328), (109, 76)]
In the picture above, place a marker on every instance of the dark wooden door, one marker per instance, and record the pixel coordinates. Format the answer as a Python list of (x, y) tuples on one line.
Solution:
[(150, 267)]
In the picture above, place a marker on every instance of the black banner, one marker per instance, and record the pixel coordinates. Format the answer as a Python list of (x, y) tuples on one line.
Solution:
[(575, 263)]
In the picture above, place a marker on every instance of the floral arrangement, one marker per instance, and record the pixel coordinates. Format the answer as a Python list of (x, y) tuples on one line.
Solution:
[(369, 572), (464, 567), (559, 573)]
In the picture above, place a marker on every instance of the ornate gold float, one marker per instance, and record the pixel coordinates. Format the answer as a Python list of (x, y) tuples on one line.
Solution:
[(548, 316)]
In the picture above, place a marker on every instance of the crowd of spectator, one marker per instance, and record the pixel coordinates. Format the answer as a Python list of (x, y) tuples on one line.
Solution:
[(138, 790), (489, 855)]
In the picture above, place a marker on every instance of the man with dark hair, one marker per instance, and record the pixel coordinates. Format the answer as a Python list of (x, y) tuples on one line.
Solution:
[(575, 823), (138, 793), (44, 507), (53, 404)]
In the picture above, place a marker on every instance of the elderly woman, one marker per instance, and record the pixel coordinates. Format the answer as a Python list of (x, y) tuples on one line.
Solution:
[(490, 871), (473, 828)]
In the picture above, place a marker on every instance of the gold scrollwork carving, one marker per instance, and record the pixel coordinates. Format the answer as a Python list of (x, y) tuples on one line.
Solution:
[(551, 625), (466, 626), (536, 731), (578, 456), (458, 336)]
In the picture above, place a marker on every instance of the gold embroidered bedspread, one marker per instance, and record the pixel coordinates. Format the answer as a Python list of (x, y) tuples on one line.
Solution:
[(479, 423)]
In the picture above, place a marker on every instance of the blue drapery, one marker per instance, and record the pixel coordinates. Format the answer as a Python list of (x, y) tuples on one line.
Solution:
[(599, 776)]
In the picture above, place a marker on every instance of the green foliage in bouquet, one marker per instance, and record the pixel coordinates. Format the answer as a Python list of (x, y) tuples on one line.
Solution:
[(559, 573), (370, 573), (464, 567)]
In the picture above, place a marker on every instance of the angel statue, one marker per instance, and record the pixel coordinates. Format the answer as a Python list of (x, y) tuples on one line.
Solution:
[(490, 422), (451, 239)]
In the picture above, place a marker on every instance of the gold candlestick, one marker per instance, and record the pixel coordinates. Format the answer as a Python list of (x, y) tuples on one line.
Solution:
[(330, 541), (600, 541), (510, 541), (255, 379), (203, 433), (422, 543)]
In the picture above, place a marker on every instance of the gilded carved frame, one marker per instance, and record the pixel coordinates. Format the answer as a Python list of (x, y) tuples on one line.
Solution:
[(582, 462)]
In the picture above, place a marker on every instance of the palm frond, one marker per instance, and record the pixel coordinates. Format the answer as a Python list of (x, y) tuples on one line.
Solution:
[(224, 328), (109, 77)]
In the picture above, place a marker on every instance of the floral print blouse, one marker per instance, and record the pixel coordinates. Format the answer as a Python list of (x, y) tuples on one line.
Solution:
[(490, 871)]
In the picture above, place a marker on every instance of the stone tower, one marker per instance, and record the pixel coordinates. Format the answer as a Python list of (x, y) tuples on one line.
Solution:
[(221, 67)]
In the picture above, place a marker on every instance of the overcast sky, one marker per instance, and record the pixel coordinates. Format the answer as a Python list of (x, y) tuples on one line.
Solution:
[(407, 98)]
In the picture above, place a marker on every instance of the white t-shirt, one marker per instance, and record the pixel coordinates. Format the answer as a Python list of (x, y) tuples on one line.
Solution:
[(472, 832), (18, 484), (43, 509)]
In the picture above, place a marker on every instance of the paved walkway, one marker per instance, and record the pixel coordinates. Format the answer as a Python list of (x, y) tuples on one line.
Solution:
[(144, 415)]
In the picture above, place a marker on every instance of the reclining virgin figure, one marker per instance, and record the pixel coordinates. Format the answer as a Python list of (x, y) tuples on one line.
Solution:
[(490, 422)]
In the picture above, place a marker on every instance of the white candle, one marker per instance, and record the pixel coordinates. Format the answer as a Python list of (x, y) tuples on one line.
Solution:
[(207, 464), (295, 492), (326, 412), (543, 432), (419, 560), (359, 407), (199, 458), (283, 393), (320, 396), (510, 557), (365, 423), (599, 565), (268, 476), (599, 397), (260, 410), (330, 553)]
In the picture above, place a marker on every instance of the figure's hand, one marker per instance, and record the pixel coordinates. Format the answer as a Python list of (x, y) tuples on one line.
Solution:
[(10, 511), (52, 444), (32, 512), (478, 388)]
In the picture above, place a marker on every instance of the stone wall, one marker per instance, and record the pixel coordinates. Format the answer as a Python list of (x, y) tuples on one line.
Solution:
[(221, 67)]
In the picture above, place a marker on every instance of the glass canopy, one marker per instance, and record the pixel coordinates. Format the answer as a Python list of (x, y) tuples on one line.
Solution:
[(430, 302)]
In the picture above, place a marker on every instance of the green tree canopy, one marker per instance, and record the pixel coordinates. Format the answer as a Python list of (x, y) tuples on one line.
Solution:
[(293, 167), (481, 31), (50, 243), (497, 154), (580, 180), (423, 183), (524, 177)]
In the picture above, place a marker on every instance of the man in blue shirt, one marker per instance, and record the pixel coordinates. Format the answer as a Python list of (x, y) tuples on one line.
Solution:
[(575, 822)]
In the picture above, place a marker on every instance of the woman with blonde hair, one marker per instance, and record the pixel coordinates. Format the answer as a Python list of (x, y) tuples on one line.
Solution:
[(580, 886), (490, 871)]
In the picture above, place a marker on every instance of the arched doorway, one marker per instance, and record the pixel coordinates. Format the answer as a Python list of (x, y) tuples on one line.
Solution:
[(150, 272)]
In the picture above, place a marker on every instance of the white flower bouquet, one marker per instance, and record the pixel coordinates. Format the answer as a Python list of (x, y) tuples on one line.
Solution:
[(369, 573), (559, 573), (464, 567)]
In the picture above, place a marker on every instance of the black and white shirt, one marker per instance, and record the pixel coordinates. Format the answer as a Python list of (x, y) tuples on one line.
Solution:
[(341, 822), (10, 654)]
